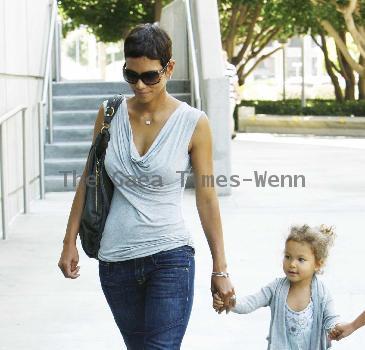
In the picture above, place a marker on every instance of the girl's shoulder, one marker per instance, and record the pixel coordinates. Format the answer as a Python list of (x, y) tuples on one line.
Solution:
[(320, 288), (277, 284), (279, 281)]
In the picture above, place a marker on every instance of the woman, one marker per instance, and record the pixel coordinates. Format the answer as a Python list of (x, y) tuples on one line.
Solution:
[(146, 256)]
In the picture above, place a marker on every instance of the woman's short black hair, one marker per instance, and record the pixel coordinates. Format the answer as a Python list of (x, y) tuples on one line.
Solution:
[(148, 40)]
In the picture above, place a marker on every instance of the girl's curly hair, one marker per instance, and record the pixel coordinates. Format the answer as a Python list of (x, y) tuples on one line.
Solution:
[(320, 238)]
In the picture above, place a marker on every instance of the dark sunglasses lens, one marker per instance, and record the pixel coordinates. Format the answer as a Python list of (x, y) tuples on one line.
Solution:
[(150, 78), (130, 76)]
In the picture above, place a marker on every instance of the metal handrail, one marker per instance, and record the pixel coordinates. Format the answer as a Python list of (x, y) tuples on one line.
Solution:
[(21, 76), (3, 181), (47, 82), (193, 56), (46, 97)]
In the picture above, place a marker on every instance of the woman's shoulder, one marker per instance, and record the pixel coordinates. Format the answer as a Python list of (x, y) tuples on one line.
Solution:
[(190, 116)]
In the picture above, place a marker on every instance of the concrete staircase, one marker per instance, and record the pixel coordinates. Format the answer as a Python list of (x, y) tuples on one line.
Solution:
[(75, 106)]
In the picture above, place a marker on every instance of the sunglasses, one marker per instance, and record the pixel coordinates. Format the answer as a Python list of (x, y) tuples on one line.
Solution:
[(151, 77)]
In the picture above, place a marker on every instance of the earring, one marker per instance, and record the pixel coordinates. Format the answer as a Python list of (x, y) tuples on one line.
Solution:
[(170, 77)]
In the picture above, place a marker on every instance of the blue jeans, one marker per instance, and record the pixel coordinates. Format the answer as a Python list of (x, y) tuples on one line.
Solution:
[(151, 297)]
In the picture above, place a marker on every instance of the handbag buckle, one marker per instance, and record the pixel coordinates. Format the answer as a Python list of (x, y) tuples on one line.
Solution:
[(109, 111), (104, 127)]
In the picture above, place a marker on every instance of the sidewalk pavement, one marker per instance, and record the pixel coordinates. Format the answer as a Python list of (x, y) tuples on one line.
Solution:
[(41, 310)]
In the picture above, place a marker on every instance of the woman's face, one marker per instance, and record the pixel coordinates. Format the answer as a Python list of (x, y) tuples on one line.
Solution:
[(143, 92)]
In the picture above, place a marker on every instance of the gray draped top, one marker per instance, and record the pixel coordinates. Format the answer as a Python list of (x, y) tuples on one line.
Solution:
[(146, 216)]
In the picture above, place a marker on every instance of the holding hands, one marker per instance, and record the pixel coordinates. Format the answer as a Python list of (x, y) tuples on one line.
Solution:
[(223, 293), (341, 331), (218, 303)]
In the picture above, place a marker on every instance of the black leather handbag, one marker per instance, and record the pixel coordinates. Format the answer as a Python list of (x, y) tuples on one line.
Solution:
[(99, 187)]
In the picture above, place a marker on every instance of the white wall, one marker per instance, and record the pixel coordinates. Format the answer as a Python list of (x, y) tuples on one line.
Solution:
[(23, 36), (173, 20)]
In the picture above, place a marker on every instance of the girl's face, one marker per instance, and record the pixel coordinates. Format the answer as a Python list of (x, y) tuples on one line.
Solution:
[(143, 92), (299, 262)]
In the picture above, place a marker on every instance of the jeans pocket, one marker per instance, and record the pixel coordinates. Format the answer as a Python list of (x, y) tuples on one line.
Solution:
[(190, 251), (178, 258)]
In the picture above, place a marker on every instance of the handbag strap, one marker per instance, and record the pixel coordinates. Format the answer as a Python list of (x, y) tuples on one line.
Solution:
[(110, 110)]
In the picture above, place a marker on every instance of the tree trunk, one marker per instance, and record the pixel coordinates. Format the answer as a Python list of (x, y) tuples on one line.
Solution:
[(330, 70), (346, 71), (158, 10), (350, 82), (361, 83)]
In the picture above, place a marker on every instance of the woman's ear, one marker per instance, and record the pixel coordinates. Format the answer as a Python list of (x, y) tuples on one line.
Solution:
[(170, 68)]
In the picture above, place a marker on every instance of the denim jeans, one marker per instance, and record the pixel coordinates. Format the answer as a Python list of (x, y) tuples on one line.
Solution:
[(151, 297)]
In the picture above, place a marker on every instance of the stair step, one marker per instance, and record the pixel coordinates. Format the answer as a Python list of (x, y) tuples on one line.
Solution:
[(67, 149), (74, 133), (92, 102), (64, 118), (75, 107), (110, 88), (58, 166), (57, 183)]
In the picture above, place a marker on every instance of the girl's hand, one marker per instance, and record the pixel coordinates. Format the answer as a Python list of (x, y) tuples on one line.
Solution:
[(69, 260), (217, 303), (341, 331)]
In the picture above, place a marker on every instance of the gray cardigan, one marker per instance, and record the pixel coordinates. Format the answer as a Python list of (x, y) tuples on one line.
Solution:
[(275, 295)]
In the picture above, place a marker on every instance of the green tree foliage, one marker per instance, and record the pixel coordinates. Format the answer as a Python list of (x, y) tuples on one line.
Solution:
[(251, 25), (109, 20), (306, 19), (352, 14), (248, 26), (340, 20)]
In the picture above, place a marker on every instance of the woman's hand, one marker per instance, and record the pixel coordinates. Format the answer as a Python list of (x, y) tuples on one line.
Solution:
[(69, 260), (223, 289), (341, 331)]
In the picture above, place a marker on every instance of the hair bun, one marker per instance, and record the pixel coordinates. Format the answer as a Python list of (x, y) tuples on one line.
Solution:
[(326, 230)]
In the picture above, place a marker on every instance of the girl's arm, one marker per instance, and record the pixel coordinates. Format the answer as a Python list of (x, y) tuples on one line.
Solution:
[(330, 318), (208, 206), (250, 303)]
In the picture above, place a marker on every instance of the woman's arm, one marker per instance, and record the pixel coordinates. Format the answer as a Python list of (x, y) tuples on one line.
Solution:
[(359, 321), (343, 330), (69, 256), (208, 206)]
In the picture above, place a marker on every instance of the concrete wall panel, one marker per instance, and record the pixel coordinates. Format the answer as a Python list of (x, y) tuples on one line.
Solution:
[(16, 37), (173, 20), (23, 38), (37, 29), (2, 38)]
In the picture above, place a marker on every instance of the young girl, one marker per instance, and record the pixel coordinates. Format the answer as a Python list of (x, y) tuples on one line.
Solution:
[(345, 329), (301, 307)]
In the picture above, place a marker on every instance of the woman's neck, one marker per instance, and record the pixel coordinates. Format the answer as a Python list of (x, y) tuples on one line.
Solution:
[(152, 107)]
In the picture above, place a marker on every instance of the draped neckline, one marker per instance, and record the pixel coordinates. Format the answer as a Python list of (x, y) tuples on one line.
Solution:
[(133, 147)]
